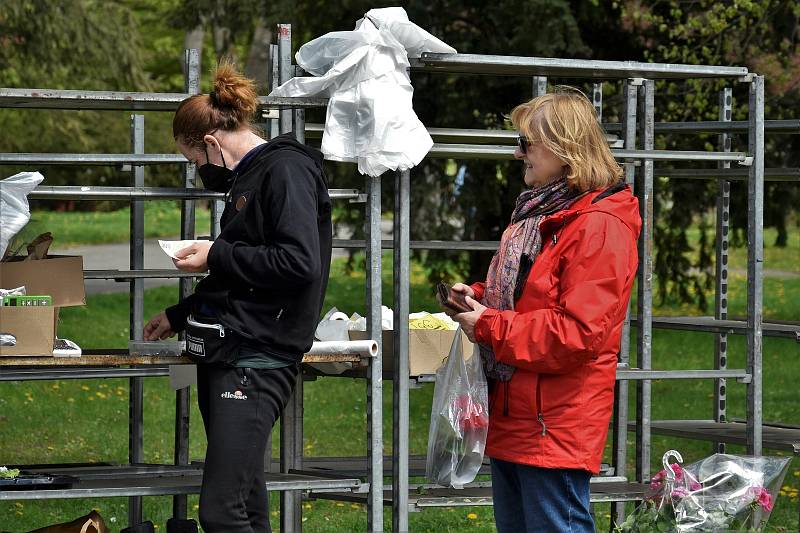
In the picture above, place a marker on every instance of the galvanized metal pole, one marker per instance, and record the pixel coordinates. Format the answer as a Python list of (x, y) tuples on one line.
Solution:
[(539, 86), (274, 125), (597, 100), (401, 236), (135, 434), (620, 437), (285, 69), (292, 417), (375, 379), (721, 285), (644, 312), (755, 265), (183, 396)]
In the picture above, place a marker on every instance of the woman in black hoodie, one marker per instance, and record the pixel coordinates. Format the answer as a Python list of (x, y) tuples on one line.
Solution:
[(249, 321)]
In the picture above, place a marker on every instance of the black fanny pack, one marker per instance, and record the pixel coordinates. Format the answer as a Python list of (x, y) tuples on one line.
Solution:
[(209, 342)]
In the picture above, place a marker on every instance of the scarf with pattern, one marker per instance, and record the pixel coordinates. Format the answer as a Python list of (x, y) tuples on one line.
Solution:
[(519, 246)]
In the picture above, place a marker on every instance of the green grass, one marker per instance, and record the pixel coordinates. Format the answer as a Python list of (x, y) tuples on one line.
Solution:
[(86, 420), (162, 219), (786, 259)]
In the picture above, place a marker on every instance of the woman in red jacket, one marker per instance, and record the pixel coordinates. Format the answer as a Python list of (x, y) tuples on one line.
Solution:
[(549, 317)]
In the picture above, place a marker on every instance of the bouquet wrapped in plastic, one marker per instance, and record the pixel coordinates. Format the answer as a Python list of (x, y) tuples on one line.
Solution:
[(459, 419), (719, 493)]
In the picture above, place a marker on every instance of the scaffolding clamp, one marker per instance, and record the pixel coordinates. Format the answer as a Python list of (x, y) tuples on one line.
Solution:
[(747, 162)]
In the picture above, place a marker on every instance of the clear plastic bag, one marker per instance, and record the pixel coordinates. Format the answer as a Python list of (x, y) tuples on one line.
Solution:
[(719, 493), (14, 209), (459, 419)]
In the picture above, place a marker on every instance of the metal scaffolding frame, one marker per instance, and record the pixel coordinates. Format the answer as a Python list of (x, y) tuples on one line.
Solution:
[(634, 147), (137, 479)]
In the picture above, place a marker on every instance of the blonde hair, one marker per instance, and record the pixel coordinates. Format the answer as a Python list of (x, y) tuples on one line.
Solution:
[(229, 107), (566, 124)]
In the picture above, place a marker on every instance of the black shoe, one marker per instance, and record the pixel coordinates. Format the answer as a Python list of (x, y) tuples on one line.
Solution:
[(144, 527), (177, 525)]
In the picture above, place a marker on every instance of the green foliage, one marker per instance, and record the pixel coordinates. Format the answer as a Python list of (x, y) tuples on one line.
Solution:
[(74, 44), (760, 35)]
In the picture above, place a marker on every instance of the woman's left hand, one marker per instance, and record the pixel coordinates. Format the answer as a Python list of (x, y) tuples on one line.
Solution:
[(193, 258), (468, 320)]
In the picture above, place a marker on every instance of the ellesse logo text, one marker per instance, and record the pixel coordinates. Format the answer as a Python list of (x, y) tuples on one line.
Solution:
[(233, 395)]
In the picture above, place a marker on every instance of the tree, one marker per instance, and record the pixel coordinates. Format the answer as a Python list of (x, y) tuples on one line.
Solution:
[(70, 44), (760, 35)]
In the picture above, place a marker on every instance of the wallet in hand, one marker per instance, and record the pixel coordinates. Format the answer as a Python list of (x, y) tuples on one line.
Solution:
[(450, 299)]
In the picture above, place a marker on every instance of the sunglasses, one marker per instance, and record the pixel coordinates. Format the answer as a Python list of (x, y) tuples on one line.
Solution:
[(523, 143)]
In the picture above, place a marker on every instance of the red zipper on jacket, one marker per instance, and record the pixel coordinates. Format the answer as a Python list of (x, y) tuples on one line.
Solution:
[(539, 414)]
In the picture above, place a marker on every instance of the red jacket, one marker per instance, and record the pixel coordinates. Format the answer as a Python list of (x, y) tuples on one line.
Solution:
[(563, 337)]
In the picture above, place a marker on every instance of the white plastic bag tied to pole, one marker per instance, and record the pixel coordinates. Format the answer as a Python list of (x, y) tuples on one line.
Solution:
[(370, 118), (459, 419), (14, 208)]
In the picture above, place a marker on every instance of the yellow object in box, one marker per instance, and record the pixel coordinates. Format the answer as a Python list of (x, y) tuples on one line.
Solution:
[(428, 321)]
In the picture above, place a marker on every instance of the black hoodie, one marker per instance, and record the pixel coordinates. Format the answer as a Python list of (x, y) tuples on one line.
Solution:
[(268, 269)]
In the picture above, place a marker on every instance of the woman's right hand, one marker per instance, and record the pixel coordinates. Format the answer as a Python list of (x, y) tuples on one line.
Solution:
[(158, 328), (466, 290)]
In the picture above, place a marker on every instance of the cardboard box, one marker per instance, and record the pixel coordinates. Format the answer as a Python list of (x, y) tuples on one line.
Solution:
[(33, 327), (61, 278), (427, 349)]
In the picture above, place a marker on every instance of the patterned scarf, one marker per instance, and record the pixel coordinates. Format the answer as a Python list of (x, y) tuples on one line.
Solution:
[(521, 243)]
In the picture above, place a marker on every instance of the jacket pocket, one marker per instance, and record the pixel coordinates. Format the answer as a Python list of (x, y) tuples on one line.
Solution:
[(539, 405), (517, 398)]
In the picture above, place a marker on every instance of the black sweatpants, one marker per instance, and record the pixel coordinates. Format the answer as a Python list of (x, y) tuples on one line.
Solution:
[(239, 408)]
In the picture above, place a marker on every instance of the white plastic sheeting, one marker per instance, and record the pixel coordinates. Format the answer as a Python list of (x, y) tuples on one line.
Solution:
[(14, 209), (370, 118)]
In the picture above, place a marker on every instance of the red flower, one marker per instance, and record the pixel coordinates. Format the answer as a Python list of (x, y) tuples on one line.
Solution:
[(471, 416)]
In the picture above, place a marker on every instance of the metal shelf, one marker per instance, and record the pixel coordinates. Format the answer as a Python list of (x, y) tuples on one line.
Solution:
[(790, 330), (91, 159), (716, 126), (731, 174), (633, 374), (123, 101), (480, 494), (459, 135), (127, 275), (357, 466), (387, 244), (556, 67), (489, 151), (113, 481), (775, 436), (76, 192)]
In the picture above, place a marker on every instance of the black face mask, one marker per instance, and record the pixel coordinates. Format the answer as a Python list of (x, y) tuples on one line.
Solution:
[(214, 177)]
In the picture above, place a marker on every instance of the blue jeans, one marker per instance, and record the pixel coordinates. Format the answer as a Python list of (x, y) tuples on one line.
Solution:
[(529, 499)]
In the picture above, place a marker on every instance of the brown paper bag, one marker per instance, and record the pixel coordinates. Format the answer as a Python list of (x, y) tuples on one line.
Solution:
[(91, 523)]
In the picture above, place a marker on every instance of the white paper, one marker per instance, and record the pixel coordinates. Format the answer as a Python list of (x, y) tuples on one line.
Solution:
[(172, 247)]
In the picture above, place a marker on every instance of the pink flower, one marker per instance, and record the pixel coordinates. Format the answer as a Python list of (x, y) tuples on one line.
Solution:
[(765, 499), (679, 492), (694, 486), (676, 468)]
